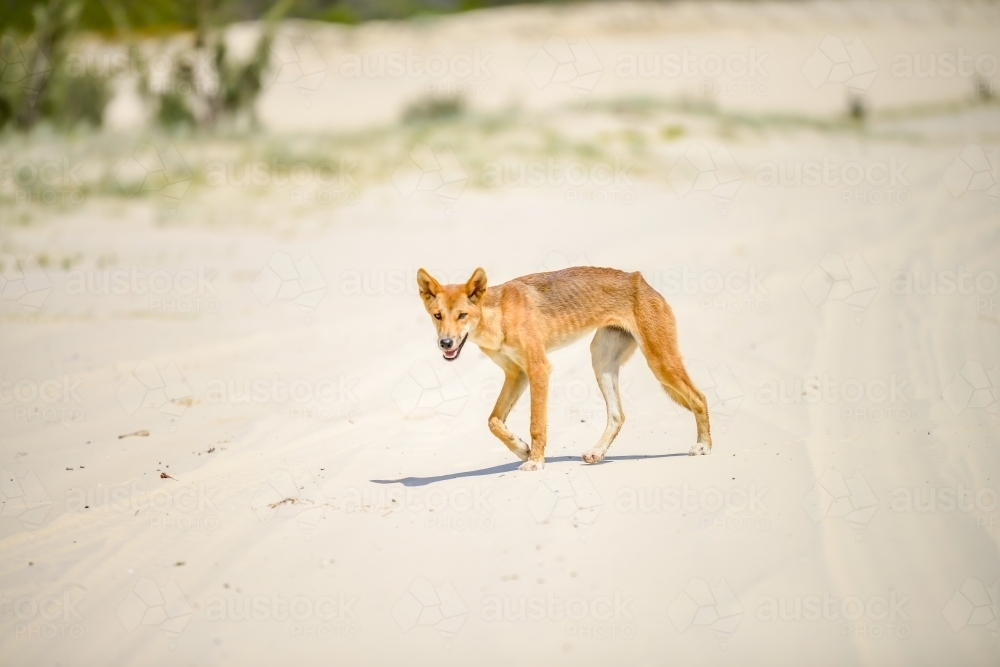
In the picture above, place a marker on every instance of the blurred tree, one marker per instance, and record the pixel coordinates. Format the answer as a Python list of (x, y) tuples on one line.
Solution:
[(34, 83), (27, 66), (209, 87), (170, 15)]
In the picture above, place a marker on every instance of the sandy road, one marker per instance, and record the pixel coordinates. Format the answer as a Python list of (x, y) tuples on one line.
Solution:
[(334, 493)]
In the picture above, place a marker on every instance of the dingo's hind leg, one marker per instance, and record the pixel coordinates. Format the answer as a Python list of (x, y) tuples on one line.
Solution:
[(657, 334), (684, 393), (610, 349)]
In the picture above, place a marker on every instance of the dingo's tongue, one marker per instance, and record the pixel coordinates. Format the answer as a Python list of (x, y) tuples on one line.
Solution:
[(451, 354)]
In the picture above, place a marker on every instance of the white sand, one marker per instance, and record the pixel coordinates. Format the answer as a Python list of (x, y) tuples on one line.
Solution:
[(156, 571)]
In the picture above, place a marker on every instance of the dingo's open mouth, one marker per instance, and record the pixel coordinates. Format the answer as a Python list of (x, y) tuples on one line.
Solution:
[(452, 354)]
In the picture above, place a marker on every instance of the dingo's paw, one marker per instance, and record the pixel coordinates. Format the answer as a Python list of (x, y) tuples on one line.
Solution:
[(532, 465), (700, 449), (522, 450), (593, 456)]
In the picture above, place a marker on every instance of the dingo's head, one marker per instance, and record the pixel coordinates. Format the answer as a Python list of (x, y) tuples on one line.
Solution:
[(456, 309)]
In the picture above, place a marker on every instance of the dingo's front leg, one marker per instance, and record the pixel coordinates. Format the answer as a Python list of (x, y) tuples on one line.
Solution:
[(514, 384), (538, 379)]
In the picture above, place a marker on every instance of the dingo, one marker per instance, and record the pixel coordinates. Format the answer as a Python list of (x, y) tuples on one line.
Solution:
[(517, 322)]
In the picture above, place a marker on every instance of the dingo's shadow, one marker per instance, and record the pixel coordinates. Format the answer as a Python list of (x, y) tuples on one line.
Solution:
[(510, 467)]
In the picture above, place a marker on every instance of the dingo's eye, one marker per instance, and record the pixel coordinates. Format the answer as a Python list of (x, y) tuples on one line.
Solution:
[(437, 316), (461, 316)]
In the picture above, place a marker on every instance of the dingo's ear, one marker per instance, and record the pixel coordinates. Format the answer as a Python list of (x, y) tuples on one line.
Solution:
[(476, 287), (429, 288)]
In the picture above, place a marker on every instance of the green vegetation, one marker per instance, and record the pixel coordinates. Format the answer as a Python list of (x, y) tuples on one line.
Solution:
[(37, 85), (157, 16), (38, 81)]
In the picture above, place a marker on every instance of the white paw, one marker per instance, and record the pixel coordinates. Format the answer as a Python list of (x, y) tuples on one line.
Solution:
[(593, 456), (532, 465), (522, 450), (700, 449)]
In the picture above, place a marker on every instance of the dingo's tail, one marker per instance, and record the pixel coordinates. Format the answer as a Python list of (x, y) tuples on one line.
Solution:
[(656, 331)]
